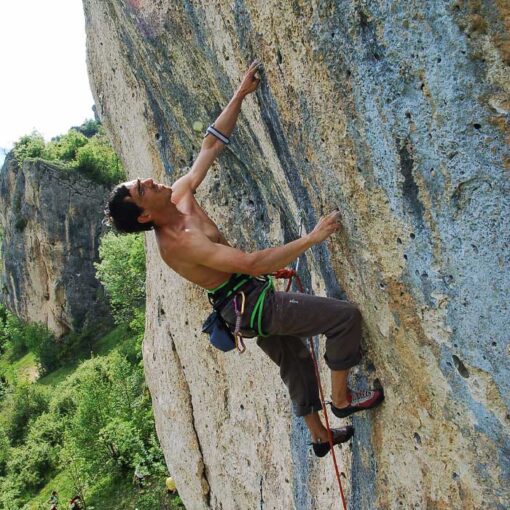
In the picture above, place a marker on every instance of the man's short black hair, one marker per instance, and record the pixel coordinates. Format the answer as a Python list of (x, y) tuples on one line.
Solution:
[(124, 215)]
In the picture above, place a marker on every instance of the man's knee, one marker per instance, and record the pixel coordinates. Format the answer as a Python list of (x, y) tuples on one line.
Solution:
[(351, 315), (355, 314)]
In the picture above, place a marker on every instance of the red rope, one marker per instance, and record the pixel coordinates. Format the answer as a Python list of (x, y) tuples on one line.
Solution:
[(288, 274)]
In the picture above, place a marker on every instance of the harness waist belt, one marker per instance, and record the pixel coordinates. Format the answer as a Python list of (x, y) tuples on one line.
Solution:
[(238, 282), (219, 296)]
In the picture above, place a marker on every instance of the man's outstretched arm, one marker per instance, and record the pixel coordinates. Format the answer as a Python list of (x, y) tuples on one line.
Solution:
[(231, 260), (225, 123)]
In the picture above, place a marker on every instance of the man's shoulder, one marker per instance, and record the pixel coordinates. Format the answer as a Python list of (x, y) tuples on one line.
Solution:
[(182, 190)]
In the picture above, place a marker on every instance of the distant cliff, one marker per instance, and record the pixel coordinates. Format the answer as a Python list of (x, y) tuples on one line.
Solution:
[(398, 113), (51, 223)]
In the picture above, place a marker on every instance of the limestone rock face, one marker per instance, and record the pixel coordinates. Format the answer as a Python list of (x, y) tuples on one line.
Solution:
[(51, 223), (395, 112)]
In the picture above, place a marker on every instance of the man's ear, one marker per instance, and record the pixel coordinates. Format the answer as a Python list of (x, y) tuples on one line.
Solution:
[(145, 217)]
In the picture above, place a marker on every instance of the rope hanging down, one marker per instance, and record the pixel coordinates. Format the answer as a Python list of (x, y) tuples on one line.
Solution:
[(289, 274)]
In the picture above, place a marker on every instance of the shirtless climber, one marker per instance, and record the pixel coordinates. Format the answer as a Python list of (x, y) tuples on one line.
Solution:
[(191, 244)]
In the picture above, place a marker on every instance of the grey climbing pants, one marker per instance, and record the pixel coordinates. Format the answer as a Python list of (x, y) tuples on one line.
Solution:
[(288, 319)]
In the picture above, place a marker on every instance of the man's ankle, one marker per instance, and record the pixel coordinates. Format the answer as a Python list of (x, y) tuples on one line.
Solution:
[(321, 438), (340, 404), (342, 400)]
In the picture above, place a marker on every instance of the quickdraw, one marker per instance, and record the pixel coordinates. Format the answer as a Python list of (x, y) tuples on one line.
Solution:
[(239, 315)]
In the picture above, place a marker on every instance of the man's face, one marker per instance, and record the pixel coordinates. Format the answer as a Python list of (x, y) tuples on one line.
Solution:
[(149, 195)]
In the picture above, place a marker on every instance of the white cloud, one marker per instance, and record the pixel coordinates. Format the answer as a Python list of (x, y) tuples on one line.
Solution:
[(44, 82)]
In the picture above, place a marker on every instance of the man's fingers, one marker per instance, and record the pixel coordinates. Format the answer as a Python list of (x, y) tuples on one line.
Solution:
[(254, 67)]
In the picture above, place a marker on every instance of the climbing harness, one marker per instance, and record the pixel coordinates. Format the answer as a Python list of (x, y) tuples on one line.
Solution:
[(218, 330), (256, 314)]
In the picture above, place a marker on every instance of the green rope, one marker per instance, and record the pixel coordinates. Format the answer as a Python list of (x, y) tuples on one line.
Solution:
[(256, 314), (242, 282), (212, 291)]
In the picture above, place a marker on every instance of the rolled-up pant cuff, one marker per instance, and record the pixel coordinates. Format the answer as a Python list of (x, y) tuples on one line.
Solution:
[(342, 364), (306, 410)]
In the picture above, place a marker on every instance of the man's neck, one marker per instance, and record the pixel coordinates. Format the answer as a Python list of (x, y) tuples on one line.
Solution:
[(169, 220)]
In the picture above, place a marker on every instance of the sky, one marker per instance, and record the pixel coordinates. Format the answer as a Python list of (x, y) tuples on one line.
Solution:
[(44, 83)]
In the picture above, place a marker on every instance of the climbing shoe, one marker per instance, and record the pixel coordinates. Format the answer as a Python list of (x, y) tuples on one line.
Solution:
[(340, 435), (359, 401)]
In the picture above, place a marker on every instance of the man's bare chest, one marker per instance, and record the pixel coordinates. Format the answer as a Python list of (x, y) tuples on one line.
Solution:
[(196, 220), (206, 226)]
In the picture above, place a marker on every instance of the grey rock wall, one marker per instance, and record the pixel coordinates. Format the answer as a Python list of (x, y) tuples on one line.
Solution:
[(51, 224), (397, 112)]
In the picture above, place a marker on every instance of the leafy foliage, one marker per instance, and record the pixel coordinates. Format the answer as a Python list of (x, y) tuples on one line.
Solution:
[(12, 338), (17, 337), (43, 344), (98, 423), (89, 128), (85, 149), (93, 428), (29, 146), (64, 148), (22, 403), (122, 273), (97, 160)]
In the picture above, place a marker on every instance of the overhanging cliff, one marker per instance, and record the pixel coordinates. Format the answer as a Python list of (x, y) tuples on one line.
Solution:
[(396, 112)]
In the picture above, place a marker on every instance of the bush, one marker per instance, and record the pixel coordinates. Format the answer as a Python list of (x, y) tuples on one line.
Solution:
[(137, 327), (89, 128), (10, 494), (30, 464), (85, 149), (4, 450), (64, 148), (12, 335), (43, 344), (97, 160), (18, 337), (122, 273), (29, 146), (23, 403), (121, 439)]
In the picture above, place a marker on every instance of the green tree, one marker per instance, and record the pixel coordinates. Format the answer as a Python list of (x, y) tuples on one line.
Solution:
[(85, 149), (12, 335), (39, 340), (4, 450), (64, 148), (29, 146), (122, 272), (22, 403), (97, 160), (89, 128)]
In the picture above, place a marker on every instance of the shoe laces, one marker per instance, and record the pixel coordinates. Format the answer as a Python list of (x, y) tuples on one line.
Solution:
[(360, 395)]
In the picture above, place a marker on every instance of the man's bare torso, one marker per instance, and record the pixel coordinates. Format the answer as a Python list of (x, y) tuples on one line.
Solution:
[(172, 247)]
